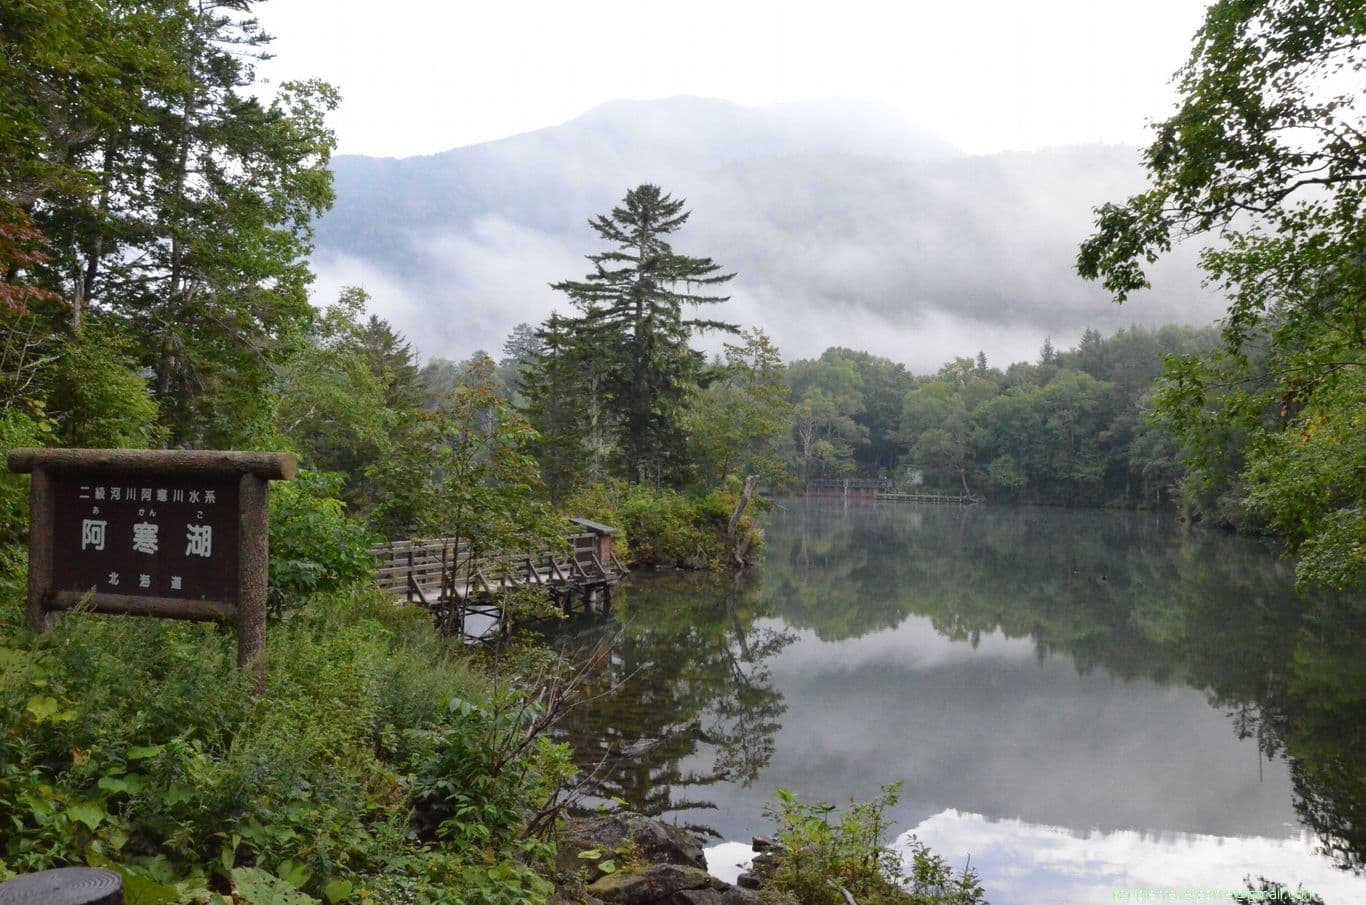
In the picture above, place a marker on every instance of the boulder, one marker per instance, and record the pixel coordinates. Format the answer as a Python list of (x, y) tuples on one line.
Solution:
[(656, 885), (564, 897), (655, 842), (658, 842)]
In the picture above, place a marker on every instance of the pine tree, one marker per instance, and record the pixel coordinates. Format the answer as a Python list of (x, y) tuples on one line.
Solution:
[(633, 331), (392, 362), (561, 393)]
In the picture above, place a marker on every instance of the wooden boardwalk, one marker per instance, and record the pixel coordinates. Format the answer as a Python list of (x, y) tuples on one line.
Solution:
[(878, 489), (965, 499), (444, 576), (846, 486)]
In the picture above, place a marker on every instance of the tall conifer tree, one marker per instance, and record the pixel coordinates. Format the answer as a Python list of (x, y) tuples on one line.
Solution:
[(633, 329)]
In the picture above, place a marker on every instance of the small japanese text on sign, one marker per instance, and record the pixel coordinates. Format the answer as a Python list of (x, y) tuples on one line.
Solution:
[(163, 537)]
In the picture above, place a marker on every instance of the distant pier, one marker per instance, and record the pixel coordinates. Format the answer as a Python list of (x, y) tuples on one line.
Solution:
[(878, 489)]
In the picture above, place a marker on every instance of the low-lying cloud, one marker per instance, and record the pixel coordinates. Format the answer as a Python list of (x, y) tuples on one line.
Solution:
[(916, 256)]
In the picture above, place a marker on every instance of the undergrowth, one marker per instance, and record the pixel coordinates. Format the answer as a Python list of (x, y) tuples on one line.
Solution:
[(825, 858), (377, 766), (664, 527)]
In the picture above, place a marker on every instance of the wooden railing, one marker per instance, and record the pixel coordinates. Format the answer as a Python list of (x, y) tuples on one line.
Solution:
[(444, 570), (846, 486)]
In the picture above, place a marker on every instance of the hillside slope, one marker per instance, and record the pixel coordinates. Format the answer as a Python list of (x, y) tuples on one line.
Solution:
[(845, 224)]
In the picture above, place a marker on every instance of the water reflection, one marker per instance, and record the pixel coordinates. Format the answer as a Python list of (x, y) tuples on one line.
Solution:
[(1082, 670), (699, 707), (1034, 863)]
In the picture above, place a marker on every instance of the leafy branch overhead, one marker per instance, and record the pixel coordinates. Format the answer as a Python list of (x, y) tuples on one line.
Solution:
[(1266, 155)]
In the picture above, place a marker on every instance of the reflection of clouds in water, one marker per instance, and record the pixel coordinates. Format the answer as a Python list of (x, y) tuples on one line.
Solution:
[(996, 732), (728, 860), (914, 644), (1025, 863)]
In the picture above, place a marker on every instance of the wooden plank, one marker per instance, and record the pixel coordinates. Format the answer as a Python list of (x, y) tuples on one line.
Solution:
[(195, 462), (432, 568), (597, 562), (417, 589), (132, 605)]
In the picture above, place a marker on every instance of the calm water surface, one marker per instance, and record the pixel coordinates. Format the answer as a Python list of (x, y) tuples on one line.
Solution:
[(1085, 703)]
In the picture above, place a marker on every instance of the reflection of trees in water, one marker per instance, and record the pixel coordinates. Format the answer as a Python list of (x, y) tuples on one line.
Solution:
[(698, 706), (1116, 592), (1316, 715)]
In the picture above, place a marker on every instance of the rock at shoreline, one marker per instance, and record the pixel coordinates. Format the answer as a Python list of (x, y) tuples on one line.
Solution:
[(654, 842), (675, 865), (731, 896), (656, 885)]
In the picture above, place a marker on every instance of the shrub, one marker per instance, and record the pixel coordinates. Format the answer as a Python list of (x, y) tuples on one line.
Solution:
[(136, 743), (663, 527), (821, 862), (97, 396), (314, 547), (19, 427)]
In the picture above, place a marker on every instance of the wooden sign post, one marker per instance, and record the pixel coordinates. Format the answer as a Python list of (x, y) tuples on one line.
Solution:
[(180, 534)]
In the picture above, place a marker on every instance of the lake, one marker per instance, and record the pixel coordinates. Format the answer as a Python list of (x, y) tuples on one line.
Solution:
[(1087, 704)]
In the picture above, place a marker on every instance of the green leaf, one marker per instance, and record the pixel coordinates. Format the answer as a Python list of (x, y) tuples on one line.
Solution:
[(47, 709), (90, 813), (338, 891), (608, 867), (257, 887), (228, 856), (137, 890), (294, 873), (144, 753), (127, 785), (142, 891)]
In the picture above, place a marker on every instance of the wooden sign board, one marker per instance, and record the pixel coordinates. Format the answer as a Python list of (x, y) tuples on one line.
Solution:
[(170, 533), (152, 537)]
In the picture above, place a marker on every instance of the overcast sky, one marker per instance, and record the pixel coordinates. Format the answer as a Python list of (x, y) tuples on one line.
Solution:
[(421, 76)]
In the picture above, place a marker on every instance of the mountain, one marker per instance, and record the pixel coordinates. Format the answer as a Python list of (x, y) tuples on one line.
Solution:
[(847, 225)]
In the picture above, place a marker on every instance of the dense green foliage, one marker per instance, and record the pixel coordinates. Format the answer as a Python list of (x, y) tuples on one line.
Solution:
[(664, 527), (349, 778), (173, 202), (314, 547), (1265, 154), (1074, 428)]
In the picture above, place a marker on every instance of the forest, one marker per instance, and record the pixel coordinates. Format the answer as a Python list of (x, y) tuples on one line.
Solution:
[(154, 238), (156, 218)]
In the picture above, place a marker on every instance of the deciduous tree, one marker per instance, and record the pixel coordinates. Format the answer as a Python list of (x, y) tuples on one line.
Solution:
[(1266, 154)]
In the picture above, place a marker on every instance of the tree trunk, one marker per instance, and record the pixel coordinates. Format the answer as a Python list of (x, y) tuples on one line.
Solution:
[(743, 547)]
